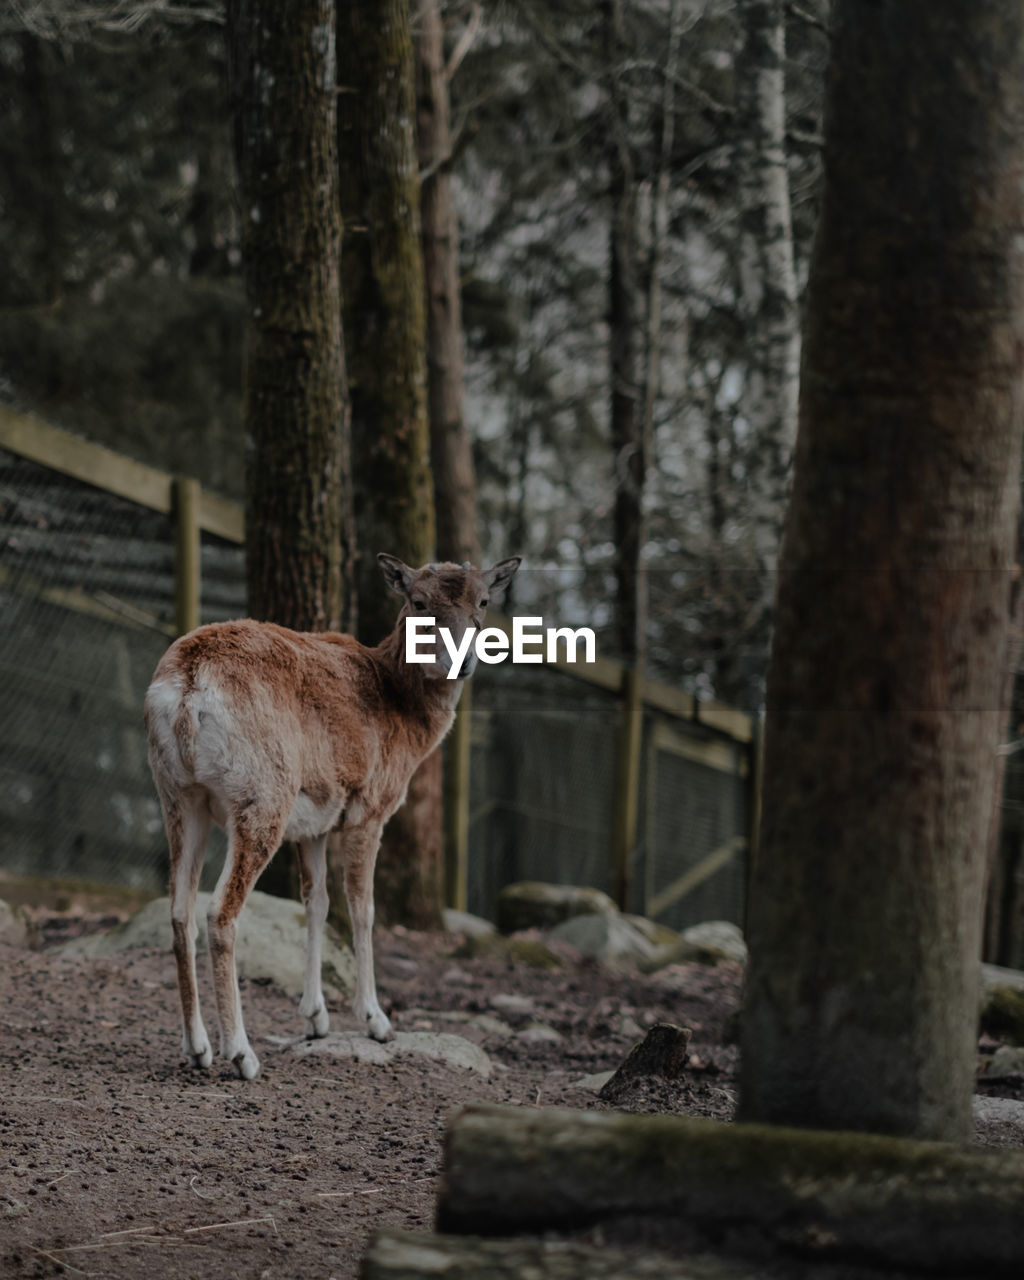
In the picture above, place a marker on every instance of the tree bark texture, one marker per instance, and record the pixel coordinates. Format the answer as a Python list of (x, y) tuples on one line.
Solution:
[(878, 1199), (299, 532), (767, 276), (629, 450), (384, 319), (451, 450), (894, 595)]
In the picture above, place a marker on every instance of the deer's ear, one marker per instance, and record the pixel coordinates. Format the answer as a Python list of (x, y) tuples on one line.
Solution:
[(502, 574), (397, 575)]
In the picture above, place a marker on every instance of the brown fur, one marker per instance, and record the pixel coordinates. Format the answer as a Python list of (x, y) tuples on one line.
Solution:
[(275, 733)]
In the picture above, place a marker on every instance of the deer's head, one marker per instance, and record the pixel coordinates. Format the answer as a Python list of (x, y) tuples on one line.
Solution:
[(455, 596)]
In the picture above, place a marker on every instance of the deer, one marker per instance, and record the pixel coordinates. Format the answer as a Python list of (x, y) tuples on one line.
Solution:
[(277, 735)]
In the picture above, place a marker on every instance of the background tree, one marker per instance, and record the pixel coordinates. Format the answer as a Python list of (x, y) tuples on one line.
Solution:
[(299, 527), (894, 596), (384, 319), (299, 540), (451, 447)]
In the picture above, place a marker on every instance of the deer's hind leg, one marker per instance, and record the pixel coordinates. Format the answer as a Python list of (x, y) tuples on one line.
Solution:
[(187, 820), (253, 838), (359, 846), (313, 876)]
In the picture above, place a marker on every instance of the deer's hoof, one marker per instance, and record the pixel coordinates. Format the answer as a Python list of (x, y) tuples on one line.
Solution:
[(318, 1025), (246, 1064)]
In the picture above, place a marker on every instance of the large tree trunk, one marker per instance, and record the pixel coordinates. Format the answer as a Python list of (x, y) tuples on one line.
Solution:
[(893, 606), (299, 542), (383, 288), (299, 529)]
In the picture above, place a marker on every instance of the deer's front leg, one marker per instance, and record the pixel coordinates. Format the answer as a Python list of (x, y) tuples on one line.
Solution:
[(313, 875), (360, 846)]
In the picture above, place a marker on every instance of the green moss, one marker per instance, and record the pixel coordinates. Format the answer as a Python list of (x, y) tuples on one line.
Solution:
[(1002, 1014), (532, 952)]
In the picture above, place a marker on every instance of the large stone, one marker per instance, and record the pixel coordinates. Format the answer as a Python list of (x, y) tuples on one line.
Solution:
[(271, 942), (609, 939), (1002, 1013), (999, 1122), (468, 925), (714, 942), (438, 1046), (14, 926), (531, 904), (1006, 1061)]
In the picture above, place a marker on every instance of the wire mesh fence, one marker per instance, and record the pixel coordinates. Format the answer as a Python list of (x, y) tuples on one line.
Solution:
[(543, 791), (87, 606)]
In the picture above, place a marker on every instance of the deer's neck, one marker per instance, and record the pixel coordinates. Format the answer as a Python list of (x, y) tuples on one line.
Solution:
[(426, 702)]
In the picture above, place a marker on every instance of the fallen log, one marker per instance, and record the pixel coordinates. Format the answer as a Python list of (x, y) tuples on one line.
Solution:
[(408, 1255), (925, 1205)]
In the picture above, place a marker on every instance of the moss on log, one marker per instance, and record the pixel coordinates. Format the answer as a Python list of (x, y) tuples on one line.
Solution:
[(857, 1196), (407, 1255)]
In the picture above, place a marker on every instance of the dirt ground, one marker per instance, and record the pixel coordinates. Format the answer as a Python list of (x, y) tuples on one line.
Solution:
[(117, 1160)]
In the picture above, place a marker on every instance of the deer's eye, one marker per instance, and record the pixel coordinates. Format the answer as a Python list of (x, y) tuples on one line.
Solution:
[(484, 602), (419, 604)]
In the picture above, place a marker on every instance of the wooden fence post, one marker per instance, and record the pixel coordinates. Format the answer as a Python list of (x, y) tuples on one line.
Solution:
[(627, 785), (186, 554), (456, 806)]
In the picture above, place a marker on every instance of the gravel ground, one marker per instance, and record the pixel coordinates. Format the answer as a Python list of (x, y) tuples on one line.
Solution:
[(118, 1160)]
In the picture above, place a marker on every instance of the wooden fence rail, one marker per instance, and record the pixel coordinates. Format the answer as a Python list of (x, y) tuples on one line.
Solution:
[(194, 511)]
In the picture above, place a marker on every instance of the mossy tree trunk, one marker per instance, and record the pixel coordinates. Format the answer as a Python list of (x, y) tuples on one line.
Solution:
[(300, 548), (894, 597), (385, 328), (299, 541)]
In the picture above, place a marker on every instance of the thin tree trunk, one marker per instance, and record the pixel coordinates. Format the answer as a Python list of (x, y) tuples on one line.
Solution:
[(451, 449), (625, 330), (893, 612), (767, 277), (384, 318)]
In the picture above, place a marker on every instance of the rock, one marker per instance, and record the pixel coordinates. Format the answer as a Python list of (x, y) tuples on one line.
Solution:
[(999, 1122), (1006, 1061), (512, 1003), (713, 942), (443, 1047), (15, 929), (539, 1033), (609, 939), (594, 1083), (1002, 1013), (469, 926), (662, 1053), (994, 975), (533, 905), (522, 948), (660, 934), (271, 942)]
